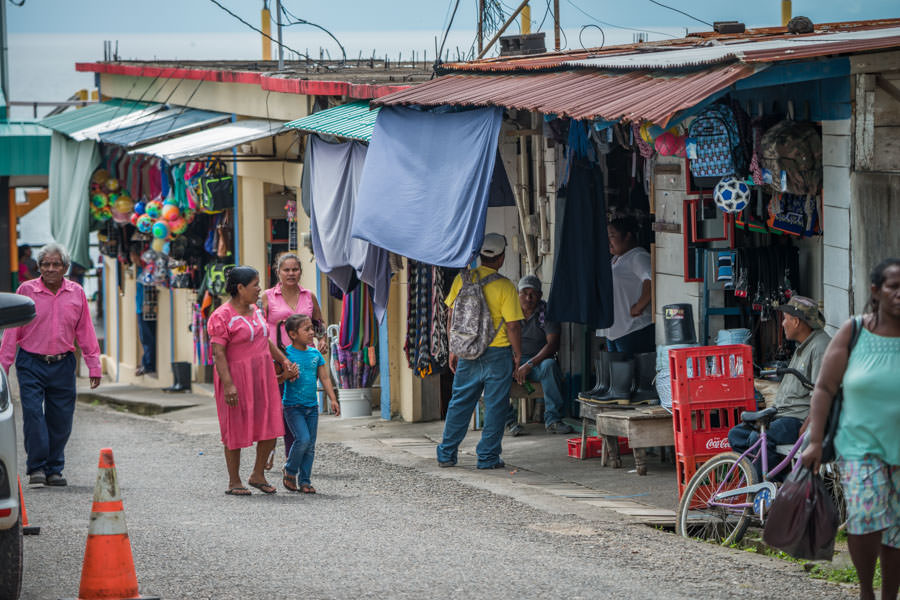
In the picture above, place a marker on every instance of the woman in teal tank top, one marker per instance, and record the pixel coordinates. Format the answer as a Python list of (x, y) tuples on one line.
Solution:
[(868, 436)]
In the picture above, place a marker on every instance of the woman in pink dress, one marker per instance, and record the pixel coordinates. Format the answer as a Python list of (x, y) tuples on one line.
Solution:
[(279, 302), (247, 397)]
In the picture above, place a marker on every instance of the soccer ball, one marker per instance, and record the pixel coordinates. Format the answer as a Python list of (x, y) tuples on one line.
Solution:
[(732, 194)]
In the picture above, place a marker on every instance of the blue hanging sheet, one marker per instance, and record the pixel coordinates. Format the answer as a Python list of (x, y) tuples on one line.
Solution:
[(425, 184), (333, 173)]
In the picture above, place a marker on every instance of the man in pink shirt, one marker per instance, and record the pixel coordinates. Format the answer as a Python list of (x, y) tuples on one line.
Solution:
[(46, 364)]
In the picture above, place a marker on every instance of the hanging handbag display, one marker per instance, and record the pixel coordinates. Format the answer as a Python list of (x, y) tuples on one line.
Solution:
[(834, 415), (217, 188)]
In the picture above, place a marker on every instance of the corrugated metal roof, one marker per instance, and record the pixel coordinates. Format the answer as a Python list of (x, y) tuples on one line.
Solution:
[(162, 124), (705, 48), (801, 46), (212, 140), (73, 121), (581, 94), (123, 120), (354, 121), (24, 149)]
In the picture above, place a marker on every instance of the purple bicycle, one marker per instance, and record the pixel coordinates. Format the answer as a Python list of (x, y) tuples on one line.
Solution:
[(725, 494)]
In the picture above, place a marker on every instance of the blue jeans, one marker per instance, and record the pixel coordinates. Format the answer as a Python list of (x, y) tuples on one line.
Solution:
[(546, 373), (147, 332), (781, 431), (636, 342), (47, 393), (303, 421), (491, 375)]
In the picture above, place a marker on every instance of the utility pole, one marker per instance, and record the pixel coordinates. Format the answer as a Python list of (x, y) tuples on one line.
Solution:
[(526, 19), (4, 63), (280, 47), (785, 12), (481, 25), (266, 23), (556, 24)]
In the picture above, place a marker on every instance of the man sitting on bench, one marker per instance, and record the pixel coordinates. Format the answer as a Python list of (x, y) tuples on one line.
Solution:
[(803, 324), (540, 342)]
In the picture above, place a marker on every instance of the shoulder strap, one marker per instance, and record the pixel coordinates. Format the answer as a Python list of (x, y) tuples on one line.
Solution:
[(492, 277), (856, 329)]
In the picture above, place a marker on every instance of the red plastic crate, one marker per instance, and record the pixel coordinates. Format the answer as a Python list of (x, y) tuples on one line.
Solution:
[(711, 374), (685, 467), (594, 447), (711, 386)]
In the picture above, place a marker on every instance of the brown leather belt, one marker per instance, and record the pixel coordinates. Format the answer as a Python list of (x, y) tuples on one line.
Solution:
[(48, 358)]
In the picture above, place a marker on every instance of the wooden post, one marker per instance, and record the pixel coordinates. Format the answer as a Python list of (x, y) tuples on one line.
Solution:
[(502, 30)]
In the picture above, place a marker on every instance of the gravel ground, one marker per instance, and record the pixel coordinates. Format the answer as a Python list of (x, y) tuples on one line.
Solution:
[(375, 530)]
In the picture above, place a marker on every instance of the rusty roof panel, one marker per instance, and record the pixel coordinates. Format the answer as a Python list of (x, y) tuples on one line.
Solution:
[(763, 45), (633, 96)]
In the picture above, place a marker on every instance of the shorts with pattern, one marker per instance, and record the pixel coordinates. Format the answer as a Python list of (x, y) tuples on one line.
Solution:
[(872, 492)]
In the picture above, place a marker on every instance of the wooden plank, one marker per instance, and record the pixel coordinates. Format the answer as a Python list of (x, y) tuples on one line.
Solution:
[(886, 157), (875, 62), (865, 122)]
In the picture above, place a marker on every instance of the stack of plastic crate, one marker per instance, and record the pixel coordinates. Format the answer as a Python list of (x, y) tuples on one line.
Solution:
[(711, 387)]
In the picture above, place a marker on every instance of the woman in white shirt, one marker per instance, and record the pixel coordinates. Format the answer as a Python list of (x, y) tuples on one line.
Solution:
[(632, 330)]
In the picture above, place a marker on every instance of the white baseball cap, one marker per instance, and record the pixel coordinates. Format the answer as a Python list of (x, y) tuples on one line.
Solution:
[(493, 245)]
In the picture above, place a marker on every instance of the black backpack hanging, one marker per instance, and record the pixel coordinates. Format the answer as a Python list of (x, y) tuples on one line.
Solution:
[(217, 188)]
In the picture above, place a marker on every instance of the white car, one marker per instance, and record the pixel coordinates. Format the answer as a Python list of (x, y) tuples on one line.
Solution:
[(14, 310)]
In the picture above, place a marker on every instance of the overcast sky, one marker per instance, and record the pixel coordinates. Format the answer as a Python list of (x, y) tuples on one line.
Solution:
[(346, 16)]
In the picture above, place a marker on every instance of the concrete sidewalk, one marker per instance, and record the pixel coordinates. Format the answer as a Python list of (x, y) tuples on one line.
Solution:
[(539, 471)]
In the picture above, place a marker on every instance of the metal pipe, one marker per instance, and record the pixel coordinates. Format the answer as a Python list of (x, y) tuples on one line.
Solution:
[(497, 35), (4, 55), (280, 46), (785, 12)]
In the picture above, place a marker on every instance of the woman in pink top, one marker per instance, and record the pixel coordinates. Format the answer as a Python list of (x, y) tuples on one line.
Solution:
[(247, 398), (287, 298)]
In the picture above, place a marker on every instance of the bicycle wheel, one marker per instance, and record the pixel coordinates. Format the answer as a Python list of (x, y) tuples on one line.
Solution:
[(831, 476), (719, 523)]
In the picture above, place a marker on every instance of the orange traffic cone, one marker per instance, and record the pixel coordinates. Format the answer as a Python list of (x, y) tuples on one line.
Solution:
[(108, 570), (26, 528)]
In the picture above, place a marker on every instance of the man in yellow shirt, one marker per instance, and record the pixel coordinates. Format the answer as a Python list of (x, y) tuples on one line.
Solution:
[(491, 373)]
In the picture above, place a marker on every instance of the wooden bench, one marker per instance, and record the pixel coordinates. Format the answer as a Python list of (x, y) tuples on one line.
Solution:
[(645, 427)]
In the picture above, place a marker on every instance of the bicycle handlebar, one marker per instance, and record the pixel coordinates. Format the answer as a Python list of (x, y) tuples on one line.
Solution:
[(788, 371)]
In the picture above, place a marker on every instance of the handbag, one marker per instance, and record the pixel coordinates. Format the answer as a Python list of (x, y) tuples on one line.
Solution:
[(803, 520), (834, 415), (217, 188)]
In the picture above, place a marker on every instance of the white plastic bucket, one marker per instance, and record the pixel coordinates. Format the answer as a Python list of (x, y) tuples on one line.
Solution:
[(356, 402)]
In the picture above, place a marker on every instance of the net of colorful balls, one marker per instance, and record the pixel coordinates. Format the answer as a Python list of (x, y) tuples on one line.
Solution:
[(163, 219)]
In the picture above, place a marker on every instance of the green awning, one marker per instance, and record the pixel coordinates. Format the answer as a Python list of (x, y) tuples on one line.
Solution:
[(354, 121), (24, 149), (73, 121)]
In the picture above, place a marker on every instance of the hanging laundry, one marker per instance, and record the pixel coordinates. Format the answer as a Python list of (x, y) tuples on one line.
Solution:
[(357, 340)]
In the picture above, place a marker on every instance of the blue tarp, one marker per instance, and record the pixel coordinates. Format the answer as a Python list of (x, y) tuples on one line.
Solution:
[(333, 172), (425, 184)]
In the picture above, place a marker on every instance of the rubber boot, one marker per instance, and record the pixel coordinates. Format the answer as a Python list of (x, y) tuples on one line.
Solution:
[(181, 372), (621, 383), (645, 373), (602, 367)]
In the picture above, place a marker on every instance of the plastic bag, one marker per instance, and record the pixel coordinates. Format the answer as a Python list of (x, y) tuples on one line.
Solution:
[(803, 519)]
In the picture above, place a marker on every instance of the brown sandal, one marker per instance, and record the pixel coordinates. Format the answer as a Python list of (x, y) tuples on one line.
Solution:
[(289, 482), (306, 488)]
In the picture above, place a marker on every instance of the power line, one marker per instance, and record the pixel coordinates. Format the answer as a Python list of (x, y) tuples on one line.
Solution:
[(440, 51), (592, 17), (257, 30), (298, 21), (19, 3), (682, 12)]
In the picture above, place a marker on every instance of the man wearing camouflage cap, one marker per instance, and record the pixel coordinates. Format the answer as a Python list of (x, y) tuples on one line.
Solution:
[(803, 324)]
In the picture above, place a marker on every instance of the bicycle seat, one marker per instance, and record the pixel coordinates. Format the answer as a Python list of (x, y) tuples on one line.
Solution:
[(765, 414)]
